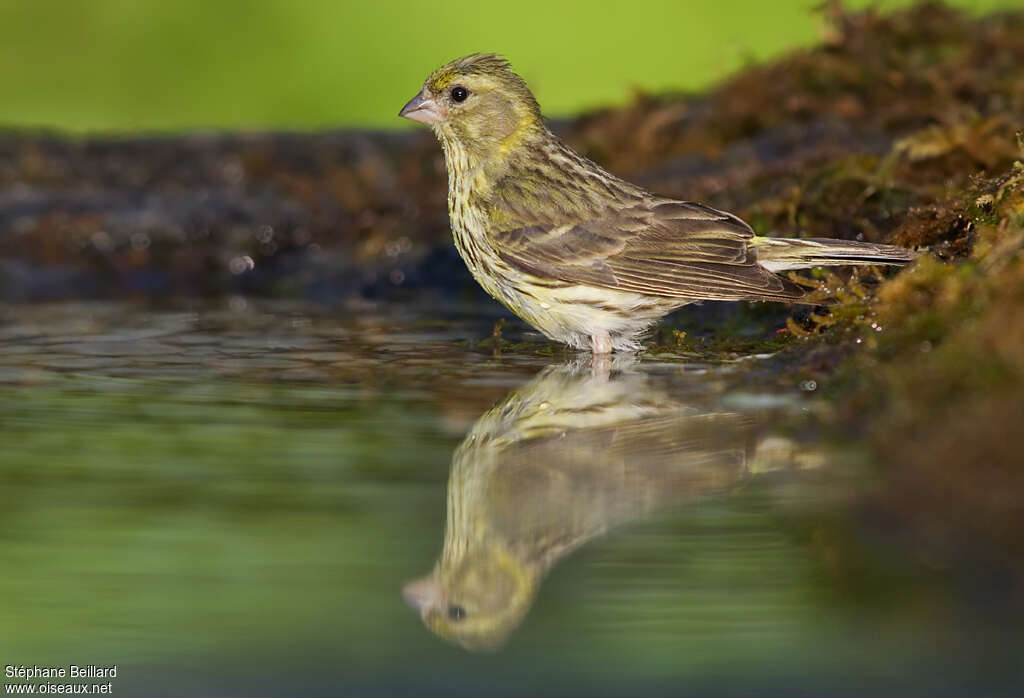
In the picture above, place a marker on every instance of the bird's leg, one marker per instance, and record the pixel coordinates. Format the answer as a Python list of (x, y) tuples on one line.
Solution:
[(601, 342)]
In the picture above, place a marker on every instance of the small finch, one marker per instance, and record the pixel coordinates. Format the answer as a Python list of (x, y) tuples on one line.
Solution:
[(585, 257)]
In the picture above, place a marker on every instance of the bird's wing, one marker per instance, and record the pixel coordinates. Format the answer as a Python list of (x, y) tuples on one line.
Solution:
[(657, 247)]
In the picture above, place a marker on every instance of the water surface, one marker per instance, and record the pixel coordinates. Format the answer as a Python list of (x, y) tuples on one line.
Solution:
[(230, 499)]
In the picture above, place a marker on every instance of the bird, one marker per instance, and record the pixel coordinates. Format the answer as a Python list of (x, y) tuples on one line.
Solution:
[(575, 452), (587, 258)]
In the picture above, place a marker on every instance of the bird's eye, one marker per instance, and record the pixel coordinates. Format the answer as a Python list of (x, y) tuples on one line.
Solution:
[(456, 612), (459, 93)]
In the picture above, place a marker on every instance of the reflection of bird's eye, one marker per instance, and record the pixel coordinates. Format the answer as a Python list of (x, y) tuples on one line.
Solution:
[(456, 612), (459, 93)]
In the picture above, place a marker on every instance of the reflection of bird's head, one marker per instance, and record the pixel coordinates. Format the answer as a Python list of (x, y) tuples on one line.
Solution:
[(477, 601)]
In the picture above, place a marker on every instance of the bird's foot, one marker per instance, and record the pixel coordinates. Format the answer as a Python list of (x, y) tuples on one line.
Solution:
[(601, 343)]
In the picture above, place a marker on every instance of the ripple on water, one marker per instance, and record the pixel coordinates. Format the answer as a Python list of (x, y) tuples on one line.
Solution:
[(176, 481)]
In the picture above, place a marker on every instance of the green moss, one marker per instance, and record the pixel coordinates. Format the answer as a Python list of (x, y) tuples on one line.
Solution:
[(939, 391)]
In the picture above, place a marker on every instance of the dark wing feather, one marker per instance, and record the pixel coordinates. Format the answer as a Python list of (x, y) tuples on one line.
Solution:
[(652, 246)]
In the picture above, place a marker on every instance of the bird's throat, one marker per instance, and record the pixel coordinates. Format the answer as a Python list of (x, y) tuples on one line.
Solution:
[(484, 159)]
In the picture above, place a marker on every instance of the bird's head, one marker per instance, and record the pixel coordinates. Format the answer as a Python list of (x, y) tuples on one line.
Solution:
[(477, 601), (477, 103)]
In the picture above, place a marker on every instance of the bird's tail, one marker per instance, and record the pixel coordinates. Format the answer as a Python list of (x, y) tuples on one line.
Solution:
[(780, 254)]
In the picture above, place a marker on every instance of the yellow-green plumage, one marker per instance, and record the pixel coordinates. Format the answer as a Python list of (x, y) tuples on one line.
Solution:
[(587, 258)]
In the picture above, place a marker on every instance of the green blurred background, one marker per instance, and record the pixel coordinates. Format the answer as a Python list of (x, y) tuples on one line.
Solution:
[(155, 65)]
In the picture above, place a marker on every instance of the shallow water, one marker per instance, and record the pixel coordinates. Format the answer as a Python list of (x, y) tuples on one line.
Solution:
[(229, 500)]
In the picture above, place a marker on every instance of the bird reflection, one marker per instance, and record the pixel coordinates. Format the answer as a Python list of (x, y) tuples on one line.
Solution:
[(580, 449)]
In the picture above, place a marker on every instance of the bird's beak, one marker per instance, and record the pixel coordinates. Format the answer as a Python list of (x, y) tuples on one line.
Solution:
[(423, 109), (423, 594)]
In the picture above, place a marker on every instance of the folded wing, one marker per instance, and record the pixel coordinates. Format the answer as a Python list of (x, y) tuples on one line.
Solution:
[(653, 246)]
